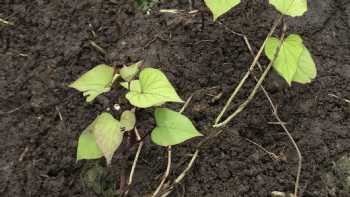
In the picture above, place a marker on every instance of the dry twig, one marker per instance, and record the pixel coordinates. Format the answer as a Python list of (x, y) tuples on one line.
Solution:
[(280, 122), (11, 111), (241, 83), (271, 154), (6, 22), (135, 162), (182, 175), (167, 172)]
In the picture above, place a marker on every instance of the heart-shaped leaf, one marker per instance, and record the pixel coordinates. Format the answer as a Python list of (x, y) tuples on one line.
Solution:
[(294, 62), (220, 7), (128, 120), (151, 89), (101, 138), (307, 69), (95, 82), (290, 7), (172, 128), (87, 147), (134, 85), (107, 134), (129, 72)]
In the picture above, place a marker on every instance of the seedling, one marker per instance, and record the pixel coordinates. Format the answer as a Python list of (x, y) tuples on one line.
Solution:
[(152, 89), (287, 55)]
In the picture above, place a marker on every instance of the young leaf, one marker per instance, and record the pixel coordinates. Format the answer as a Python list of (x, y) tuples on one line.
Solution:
[(172, 128), (134, 85), (95, 82), (151, 89), (306, 69), (128, 120), (286, 63), (290, 7), (129, 72), (220, 7), (294, 62), (87, 147), (108, 136)]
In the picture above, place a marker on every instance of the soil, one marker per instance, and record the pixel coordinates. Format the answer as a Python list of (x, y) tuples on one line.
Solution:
[(49, 46)]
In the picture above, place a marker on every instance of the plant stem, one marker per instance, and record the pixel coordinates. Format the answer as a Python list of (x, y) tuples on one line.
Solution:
[(183, 174), (251, 68), (171, 186), (283, 125), (275, 113), (167, 172), (134, 163), (262, 78)]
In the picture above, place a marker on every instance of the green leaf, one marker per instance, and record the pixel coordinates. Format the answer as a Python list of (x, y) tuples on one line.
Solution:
[(129, 72), (220, 7), (151, 89), (106, 131), (172, 128), (128, 120), (286, 63), (87, 147), (134, 85), (307, 69), (294, 62), (290, 7), (95, 82), (101, 138)]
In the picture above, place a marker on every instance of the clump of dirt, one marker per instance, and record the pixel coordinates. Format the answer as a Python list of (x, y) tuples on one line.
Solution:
[(49, 46)]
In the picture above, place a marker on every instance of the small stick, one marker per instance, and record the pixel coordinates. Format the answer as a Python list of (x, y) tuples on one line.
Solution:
[(245, 38), (97, 47), (189, 165), (171, 11), (156, 37), (59, 113), (281, 194), (278, 123), (6, 22), (191, 3), (296, 187), (23, 154), (167, 172), (186, 104), (183, 174), (335, 96), (135, 162), (11, 111), (271, 154)]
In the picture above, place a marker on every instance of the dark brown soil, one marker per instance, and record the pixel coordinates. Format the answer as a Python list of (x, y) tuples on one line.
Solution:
[(49, 47)]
